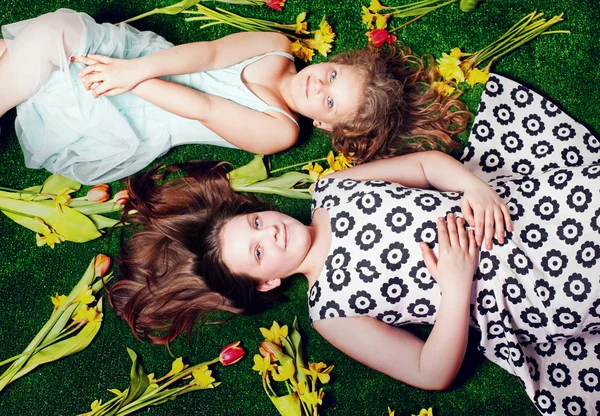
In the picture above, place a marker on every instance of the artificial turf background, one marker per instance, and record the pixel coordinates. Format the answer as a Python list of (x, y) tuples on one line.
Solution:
[(562, 67)]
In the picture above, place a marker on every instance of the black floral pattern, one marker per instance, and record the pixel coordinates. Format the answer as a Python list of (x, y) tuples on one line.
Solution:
[(468, 153), (515, 209), (362, 302), (533, 317), (573, 406), (486, 302), (550, 109), (390, 317), (491, 161), (504, 115), (546, 208), (421, 308), (523, 167), (338, 279), (369, 202), (588, 254), (348, 184), (534, 235), (427, 202), (488, 266), (394, 256), (315, 294), (513, 290), (399, 219), (342, 224), (589, 379), (560, 179), (511, 142), (569, 231), (579, 198), (398, 192), (493, 87), (563, 132), (367, 272), (577, 287), (519, 262), (575, 349), (571, 156), (521, 96), (591, 143), (331, 310), (592, 172), (559, 375), (529, 187), (322, 184), (495, 329), (541, 149), (330, 201), (421, 276), (394, 290), (544, 401), (525, 337), (545, 292), (427, 233), (533, 125), (566, 318), (368, 237), (554, 262)]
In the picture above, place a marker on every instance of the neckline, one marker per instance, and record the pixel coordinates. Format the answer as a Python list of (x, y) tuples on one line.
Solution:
[(333, 243)]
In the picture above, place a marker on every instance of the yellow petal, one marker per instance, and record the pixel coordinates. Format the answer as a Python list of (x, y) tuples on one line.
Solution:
[(456, 53), (85, 296), (58, 300), (477, 76), (381, 21), (177, 366), (375, 6)]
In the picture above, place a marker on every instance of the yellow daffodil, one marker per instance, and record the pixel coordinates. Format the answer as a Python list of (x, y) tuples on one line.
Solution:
[(51, 238), (275, 333), (449, 68), (318, 371), (311, 398), (343, 161), (285, 371), (319, 43), (326, 31), (301, 25), (85, 296), (477, 76), (375, 6), (457, 53), (86, 314), (381, 21), (443, 88), (63, 197), (261, 364), (425, 412), (58, 300), (177, 366), (314, 170), (301, 51), (202, 376), (391, 412), (326, 172), (96, 404), (368, 17)]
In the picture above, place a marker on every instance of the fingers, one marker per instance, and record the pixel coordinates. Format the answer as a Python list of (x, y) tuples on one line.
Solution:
[(507, 219), (452, 230), (479, 226), (429, 258), (489, 229), (462, 233), (467, 212), (100, 58), (443, 238), (499, 225), (472, 242)]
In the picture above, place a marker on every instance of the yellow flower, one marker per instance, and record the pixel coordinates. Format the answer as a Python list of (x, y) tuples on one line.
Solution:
[(261, 364), (309, 397), (58, 300), (177, 366), (425, 412), (301, 25), (86, 314), (375, 6), (319, 43), (449, 68), (85, 296), (63, 197), (302, 52), (202, 376), (391, 412), (285, 371), (326, 31), (443, 88), (326, 172), (275, 333), (339, 162), (368, 17), (381, 21), (318, 371), (51, 238), (477, 76), (96, 404), (456, 53), (343, 161), (314, 170)]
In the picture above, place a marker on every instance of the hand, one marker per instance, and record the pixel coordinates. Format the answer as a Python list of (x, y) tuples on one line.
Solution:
[(486, 212), (108, 76), (455, 265)]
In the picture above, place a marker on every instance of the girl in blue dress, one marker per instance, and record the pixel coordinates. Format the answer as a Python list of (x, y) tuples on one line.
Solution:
[(139, 96)]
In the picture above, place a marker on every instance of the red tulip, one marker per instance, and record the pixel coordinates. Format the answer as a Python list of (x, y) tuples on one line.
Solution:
[(269, 349), (231, 354), (121, 197), (275, 4), (98, 193), (380, 36), (101, 264)]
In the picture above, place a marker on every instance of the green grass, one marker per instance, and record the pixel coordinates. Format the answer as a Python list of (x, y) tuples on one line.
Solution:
[(563, 68)]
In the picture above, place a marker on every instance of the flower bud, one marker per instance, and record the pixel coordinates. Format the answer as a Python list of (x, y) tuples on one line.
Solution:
[(98, 193), (380, 36), (101, 264), (271, 350), (231, 354), (121, 197)]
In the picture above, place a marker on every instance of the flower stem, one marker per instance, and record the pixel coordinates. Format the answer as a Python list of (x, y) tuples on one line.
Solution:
[(298, 164)]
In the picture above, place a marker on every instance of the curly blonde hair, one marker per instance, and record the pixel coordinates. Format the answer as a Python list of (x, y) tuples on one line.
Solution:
[(401, 112)]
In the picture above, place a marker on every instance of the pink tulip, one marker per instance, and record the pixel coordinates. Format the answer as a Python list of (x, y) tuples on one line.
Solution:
[(269, 349), (101, 264), (121, 197), (231, 354), (98, 193)]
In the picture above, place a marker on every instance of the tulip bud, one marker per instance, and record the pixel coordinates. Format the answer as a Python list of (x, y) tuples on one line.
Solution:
[(269, 349), (380, 36), (101, 264), (98, 193), (231, 354), (121, 197)]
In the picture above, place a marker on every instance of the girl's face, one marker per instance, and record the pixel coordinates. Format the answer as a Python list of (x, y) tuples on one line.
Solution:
[(327, 93), (266, 245)]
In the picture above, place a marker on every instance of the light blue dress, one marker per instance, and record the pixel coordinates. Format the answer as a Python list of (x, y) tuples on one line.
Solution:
[(63, 129)]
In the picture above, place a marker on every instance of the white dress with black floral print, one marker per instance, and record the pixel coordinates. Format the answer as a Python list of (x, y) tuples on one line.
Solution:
[(535, 298)]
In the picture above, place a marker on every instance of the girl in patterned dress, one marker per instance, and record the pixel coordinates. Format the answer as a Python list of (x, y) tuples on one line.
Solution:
[(104, 116), (384, 250)]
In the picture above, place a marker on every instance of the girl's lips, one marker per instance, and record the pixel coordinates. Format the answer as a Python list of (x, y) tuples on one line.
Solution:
[(306, 87), (285, 236)]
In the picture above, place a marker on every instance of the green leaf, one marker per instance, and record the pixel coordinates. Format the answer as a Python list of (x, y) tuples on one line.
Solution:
[(138, 382), (101, 222), (61, 323), (248, 174), (287, 405), (55, 184), (172, 9), (67, 222), (85, 281), (468, 5), (296, 339), (31, 223), (287, 180), (63, 348), (89, 208)]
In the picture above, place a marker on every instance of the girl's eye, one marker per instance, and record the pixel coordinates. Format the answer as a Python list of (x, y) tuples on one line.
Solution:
[(256, 222), (332, 76), (258, 253), (329, 102)]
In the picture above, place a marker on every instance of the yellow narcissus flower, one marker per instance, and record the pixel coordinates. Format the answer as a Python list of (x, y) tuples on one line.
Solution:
[(375, 6), (326, 31), (368, 17), (86, 314), (381, 21), (308, 397), (58, 300), (443, 88), (319, 43), (449, 68), (63, 197), (85, 296), (425, 412), (50, 238), (339, 162), (301, 25), (477, 76), (302, 52), (261, 364), (285, 371), (96, 404), (391, 412), (177, 366), (202, 376), (275, 333), (318, 371), (457, 53)]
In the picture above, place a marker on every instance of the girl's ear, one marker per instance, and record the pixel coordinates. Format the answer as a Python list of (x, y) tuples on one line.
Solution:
[(268, 285), (323, 126)]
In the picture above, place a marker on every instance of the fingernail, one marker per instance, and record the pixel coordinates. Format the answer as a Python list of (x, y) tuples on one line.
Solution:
[(72, 58), (422, 245)]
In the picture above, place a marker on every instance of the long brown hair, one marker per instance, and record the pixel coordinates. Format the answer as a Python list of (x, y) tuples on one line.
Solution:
[(401, 112), (171, 272)]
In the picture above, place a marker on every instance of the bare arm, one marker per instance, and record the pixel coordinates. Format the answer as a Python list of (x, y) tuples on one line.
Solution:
[(481, 206), (433, 364), (241, 126)]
